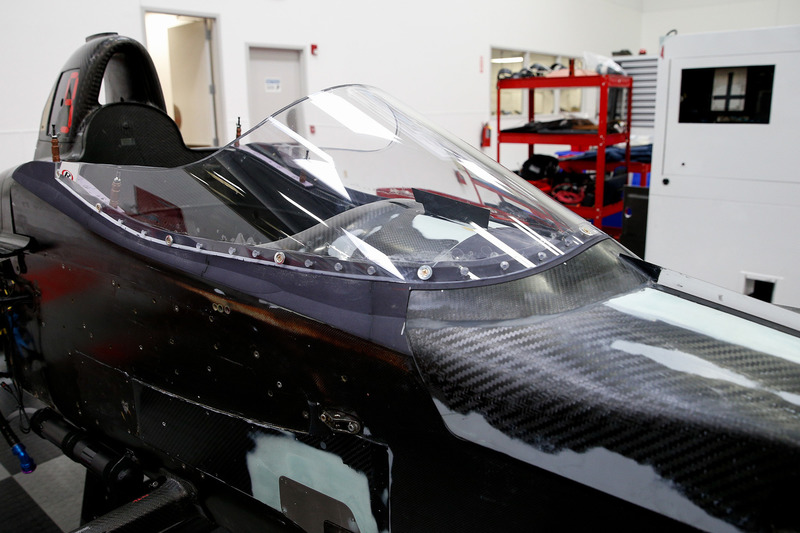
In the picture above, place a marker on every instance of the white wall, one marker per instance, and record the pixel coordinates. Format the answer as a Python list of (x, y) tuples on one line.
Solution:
[(426, 53), (698, 16), (37, 37)]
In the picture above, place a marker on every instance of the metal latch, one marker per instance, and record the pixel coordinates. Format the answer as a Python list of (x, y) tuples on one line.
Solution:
[(340, 421)]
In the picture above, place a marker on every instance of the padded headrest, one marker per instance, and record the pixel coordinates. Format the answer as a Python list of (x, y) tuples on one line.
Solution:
[(129, 75), (133, 134)]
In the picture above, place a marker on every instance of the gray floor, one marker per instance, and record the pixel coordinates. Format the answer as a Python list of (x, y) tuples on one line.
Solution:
[(46, 500)]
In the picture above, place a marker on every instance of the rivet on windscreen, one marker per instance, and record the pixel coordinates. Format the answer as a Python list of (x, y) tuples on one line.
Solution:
[(98, 207), (168, 239), (255, 253), (232, 251), (280, 257), (338, 267), (371, 270), (503, 265), (464, 271), (309, 263), (199, 245), (424, 272), (542, 256)]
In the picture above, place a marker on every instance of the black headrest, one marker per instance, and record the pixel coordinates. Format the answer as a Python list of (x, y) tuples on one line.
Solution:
[(129, 75), (125, 133)]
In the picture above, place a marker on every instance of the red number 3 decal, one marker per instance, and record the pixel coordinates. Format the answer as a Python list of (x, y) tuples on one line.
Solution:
[(69, 95)]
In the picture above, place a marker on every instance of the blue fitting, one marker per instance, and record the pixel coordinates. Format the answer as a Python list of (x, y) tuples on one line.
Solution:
[(26, 462)]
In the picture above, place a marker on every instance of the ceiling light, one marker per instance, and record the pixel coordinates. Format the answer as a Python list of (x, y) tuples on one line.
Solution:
[(518, 59)]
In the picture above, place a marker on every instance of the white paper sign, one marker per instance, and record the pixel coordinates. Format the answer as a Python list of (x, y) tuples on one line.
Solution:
[(272, 85)]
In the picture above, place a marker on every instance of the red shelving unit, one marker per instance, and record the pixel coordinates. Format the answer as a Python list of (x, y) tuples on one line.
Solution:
[(600, 139)]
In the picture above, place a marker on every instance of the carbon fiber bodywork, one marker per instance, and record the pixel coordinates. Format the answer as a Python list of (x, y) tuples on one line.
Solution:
[(645, 407), (371, 329)]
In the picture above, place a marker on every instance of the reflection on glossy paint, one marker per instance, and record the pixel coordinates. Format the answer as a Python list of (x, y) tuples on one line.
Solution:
[(697, 366), (654, 305), (603, 469)]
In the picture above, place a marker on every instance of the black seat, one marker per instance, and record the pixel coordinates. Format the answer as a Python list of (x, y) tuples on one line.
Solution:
[(128, 133), (132, 128)]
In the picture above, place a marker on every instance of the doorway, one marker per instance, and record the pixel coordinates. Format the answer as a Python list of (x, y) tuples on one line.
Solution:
[(274, 80), (183, 51)]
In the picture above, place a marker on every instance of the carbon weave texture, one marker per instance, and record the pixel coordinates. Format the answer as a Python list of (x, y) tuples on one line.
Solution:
[(559, 384), (591, 276), (134, 134)]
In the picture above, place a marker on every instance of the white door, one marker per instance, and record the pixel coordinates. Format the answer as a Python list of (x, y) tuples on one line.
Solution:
[(192, 82), (274, 81)]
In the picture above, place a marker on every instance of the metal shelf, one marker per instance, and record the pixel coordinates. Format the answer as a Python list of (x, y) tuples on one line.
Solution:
[(599, 139)]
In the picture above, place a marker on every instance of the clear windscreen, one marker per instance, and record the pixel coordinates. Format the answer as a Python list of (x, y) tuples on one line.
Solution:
[(346, 182)]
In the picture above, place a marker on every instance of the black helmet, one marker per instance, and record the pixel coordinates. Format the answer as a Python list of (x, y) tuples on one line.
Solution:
[(539, 70)]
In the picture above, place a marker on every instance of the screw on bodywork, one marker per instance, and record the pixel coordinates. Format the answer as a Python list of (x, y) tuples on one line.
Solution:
[(168, 239), (424, 272), (280, 257)]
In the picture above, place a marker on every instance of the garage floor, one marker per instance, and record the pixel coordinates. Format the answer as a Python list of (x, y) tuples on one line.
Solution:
[(46, 500)]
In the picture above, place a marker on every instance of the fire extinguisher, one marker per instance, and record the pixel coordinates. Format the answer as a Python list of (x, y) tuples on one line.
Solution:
[(486, 135)]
